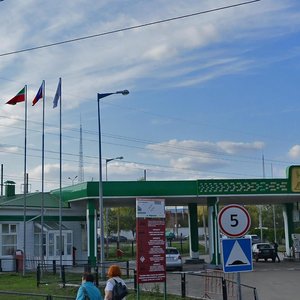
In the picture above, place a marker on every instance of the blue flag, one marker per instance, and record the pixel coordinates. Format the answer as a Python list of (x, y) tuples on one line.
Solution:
[(57, 94), (38, 96)]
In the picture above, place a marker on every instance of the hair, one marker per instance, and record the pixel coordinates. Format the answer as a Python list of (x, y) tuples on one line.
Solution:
[(88, 277), (113, 271)]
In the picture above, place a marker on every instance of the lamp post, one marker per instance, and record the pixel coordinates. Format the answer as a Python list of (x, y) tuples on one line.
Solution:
[(100, 96), (107, 160), (73, 179)]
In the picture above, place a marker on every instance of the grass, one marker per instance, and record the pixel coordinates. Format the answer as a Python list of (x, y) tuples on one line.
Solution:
[(15, 282), (27, 284)]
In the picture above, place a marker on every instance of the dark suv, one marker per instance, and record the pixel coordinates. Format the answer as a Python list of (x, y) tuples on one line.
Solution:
[(263, 251)]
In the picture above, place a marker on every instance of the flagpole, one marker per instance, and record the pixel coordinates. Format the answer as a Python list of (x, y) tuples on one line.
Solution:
[(60, 181), (25, 182), (43, 176)]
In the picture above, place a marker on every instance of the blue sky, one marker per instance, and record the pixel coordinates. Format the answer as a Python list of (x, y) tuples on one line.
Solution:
[(209, 94)]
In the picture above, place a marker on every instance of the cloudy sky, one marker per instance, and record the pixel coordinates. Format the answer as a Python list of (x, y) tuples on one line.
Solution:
[(213, 90)]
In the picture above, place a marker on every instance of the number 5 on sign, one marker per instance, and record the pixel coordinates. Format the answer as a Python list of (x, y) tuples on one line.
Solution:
[(234, 220)]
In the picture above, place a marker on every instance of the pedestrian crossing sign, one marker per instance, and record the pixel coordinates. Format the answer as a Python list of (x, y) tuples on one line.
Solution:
[(237, 255)]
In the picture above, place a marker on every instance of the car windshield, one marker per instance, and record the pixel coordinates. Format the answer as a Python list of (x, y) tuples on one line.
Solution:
[(264, 246), (171, 251)]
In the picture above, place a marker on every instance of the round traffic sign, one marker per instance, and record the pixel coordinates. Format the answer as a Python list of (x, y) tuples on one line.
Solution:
[(234, 220)]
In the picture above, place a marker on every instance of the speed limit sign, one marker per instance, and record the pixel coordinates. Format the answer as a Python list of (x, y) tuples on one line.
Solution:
[(234, 220)]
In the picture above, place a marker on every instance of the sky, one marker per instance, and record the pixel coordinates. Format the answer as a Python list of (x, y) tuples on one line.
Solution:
[(214, 94)]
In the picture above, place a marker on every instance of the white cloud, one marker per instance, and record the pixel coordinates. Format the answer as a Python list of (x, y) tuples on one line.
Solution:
[(240, 147), (181, 53), (191, 154), (294, 152)]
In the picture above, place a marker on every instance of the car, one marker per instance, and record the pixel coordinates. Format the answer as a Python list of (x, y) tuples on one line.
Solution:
[(254, 238), (114, 239), (123, 239), (263, 251), (170, 236), (173, 259)]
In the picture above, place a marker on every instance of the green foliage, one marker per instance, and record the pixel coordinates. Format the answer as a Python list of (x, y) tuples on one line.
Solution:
[(126, 218)]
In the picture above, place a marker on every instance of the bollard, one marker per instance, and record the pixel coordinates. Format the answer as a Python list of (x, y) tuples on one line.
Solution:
[(54, 266), (49, 297), (132, 248), (255, 294), (17, 265), (127, 268), (224, 289), (183, 290), (135, 280), (96, 277), (63, 276), (0, 265), (38, 275)]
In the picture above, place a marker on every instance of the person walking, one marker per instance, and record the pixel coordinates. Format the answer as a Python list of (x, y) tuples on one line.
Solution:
[(88, 290), (275, 245), (115, 284)]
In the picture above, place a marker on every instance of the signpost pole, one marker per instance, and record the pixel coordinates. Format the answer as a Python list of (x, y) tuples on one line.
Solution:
[(234, 221), (239, 294), (165, 291)]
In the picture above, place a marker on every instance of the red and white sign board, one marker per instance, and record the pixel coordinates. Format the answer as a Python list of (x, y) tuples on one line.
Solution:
[(151, 241), (234, 220)]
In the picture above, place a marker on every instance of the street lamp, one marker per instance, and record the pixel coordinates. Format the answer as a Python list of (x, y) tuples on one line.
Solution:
[(100, 96), (73, 179), (107, 160)]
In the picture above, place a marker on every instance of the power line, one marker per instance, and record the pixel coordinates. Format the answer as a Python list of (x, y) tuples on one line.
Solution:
[(170, 149), (126, 28)]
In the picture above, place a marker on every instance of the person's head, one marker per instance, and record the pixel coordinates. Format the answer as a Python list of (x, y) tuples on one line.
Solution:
[(88, 277), (113, 271)]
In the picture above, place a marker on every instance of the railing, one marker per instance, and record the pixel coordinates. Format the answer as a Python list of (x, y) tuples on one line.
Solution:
[(65, 274), (204, 284), (210, 284), (33, 296)]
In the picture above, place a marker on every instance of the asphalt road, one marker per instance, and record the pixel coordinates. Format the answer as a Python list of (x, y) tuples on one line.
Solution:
[(273, 281)]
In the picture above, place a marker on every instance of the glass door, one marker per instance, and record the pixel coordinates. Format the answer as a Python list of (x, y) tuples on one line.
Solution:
[(66, 249)]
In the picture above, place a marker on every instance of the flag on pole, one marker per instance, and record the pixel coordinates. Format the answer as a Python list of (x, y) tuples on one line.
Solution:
[(20, 97), (57, 94), (39, 95)]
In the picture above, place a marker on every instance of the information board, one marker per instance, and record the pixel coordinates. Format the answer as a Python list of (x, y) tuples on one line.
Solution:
[(151, 242)]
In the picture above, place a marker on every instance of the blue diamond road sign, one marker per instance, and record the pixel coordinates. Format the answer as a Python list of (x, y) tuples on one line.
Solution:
[(237, 255)]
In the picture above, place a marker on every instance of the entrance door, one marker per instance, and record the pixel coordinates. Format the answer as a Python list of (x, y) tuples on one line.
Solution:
[(54, 247)]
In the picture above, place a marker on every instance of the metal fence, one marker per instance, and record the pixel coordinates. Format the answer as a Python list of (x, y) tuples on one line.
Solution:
[(31, 296), (203, 284)]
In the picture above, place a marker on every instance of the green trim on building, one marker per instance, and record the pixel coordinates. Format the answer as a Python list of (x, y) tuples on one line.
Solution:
[(242, 187), (129, 189)]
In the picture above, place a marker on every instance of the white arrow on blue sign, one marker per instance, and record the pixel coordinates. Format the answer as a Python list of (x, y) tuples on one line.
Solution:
[(237, 255)]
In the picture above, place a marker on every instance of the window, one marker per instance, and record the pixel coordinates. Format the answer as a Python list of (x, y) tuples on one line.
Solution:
[(9, 239)]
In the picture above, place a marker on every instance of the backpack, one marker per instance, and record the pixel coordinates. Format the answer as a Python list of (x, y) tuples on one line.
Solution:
[(119, 290)]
